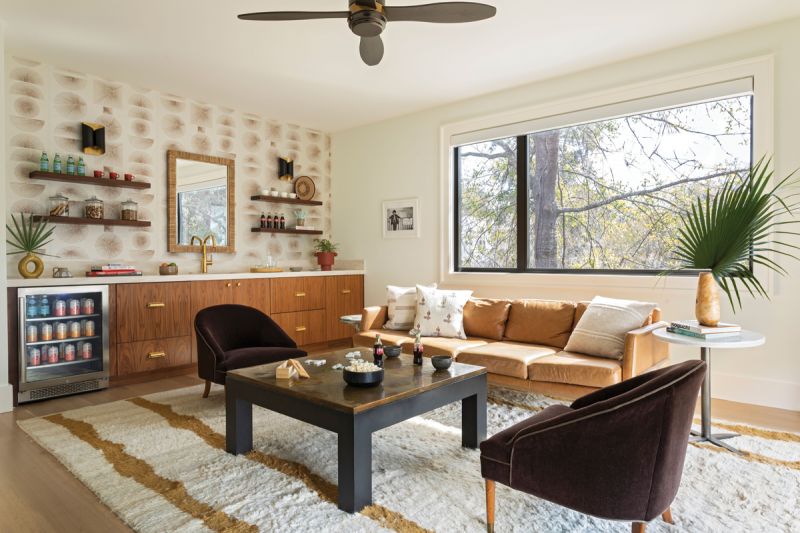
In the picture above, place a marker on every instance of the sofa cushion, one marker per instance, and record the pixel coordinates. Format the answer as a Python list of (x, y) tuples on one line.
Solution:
[(505, 358), (444, 346), (388, 337), (546, 322), (576, 369), (440, 312), (486, 318), (401, 307), (247, 357), (602, 329)]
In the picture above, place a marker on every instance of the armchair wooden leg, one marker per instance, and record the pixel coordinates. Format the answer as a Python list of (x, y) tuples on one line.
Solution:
[(490, 506), (667, 516), (638, 527), (207, 389)]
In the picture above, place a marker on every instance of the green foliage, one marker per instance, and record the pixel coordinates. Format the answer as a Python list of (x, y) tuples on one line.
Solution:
[(324, 245), (741, 223), (27, 235)]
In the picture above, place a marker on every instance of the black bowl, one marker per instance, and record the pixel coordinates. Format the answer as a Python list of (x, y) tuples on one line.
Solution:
[(392, 351), (363, 379), (441, 362)]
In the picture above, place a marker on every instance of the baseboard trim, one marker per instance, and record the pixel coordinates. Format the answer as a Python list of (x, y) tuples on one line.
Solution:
[(756, 391), (6, 398)]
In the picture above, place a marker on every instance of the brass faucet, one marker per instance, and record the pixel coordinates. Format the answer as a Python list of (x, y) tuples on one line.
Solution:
[(206, 259)]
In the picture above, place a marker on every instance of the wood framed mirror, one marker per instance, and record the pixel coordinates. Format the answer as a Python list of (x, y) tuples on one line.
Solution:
[(200, 202)]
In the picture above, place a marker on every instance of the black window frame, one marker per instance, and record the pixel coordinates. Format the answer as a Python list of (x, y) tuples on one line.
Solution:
[(523, 227)]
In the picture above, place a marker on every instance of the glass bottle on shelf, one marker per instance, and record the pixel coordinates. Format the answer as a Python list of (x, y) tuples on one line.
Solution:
[(81, 169), (57, 164), (44, 163), (93, 208), (44, 307), (70, 165), (263, 220)]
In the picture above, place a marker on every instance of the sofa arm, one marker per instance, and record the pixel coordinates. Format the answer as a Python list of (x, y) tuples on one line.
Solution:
[(373, 317), (643, 350)]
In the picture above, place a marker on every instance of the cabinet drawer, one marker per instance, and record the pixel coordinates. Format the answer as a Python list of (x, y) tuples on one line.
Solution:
[(344, 295), (305, 327), (134, 357), (152, 311), (297, 294)]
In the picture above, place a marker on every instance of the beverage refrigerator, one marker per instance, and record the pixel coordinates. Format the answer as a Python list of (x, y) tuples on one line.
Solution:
[(63, 341)]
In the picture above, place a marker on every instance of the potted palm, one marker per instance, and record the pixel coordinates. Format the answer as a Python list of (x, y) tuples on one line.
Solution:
[(29, 236), (325, 251), (743, 226)]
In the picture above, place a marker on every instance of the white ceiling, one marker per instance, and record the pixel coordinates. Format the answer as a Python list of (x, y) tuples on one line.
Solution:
[(310, 72)]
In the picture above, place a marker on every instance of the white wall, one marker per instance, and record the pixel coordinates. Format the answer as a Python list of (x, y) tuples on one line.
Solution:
[(400, 158), (5, 389)]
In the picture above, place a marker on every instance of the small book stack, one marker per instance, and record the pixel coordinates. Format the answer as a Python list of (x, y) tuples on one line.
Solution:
[(111, 270), (691, 328)]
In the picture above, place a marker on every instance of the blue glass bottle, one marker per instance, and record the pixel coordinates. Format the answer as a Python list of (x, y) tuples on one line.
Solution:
[(44, 307), (32, 310)]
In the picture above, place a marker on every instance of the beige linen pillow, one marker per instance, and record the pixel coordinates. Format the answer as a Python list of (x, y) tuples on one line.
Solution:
[(602, 328), (440, 313), (402, 307)]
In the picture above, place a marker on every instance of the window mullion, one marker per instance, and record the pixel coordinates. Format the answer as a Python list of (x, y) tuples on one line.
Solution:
[(522, 203), (456, 210)]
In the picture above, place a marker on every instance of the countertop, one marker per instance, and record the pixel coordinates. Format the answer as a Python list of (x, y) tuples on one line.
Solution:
[(83, 280)]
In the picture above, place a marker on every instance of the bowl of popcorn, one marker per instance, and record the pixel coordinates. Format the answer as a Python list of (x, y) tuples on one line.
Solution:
[(362, 374)]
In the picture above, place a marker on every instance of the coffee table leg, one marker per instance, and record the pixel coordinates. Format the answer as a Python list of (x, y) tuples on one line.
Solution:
[(355, 468), (238, 422), (473, 420)]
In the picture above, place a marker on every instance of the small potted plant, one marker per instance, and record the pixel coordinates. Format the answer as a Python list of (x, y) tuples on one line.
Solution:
[(29, 237), (300, 216), (325, 251)]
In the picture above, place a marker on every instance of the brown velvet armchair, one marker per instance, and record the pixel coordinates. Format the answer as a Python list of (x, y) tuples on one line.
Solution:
[(616, 453), (237, 336)]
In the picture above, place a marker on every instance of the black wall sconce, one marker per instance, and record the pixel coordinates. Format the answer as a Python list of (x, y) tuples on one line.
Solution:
[(93, 138), (285, 169)]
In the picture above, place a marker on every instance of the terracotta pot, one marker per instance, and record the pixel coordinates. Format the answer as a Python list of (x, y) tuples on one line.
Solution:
[(325, 259), (706, 304), (25, 262)]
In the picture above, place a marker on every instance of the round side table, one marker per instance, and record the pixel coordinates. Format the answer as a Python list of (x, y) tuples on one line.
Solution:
[(745, 339), (352, 320)]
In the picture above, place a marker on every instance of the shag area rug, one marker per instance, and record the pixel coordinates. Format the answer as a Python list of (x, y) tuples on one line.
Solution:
[(159, 463)]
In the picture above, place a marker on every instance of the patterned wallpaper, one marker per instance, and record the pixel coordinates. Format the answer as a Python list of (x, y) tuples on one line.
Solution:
[(45, 107)]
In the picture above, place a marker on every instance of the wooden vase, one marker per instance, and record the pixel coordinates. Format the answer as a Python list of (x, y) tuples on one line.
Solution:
[(706, 304), (25, 271)]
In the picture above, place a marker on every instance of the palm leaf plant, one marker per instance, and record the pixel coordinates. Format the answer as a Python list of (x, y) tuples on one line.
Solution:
[(29, 236), (746, 223)]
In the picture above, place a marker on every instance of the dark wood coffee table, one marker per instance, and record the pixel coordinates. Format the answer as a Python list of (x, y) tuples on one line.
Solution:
[(353, 413)]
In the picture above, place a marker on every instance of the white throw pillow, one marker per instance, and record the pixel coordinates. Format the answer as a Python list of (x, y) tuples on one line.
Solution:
[(402, 307), (440, 312), (602, 328)]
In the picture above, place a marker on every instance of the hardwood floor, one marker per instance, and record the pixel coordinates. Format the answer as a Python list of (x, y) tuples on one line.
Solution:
[(38, 494)]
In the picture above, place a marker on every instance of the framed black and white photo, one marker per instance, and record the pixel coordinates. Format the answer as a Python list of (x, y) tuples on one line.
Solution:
[(400, 218)]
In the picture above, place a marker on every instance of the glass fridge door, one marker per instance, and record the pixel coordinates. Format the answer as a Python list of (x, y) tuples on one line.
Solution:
[(64, 334)]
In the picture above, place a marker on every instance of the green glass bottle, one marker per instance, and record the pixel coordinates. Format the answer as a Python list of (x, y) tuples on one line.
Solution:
[(57, 164), (81, 170), (70, 165), (44, 163)]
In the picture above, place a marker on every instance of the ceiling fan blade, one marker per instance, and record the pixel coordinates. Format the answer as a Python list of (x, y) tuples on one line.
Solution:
[(371, 49), (449, 12), (294, 15)]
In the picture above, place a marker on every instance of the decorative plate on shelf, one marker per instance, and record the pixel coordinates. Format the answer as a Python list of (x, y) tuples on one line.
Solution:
[(305, 188)]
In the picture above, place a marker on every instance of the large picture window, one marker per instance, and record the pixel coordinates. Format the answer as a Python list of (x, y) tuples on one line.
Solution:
[(595, 196)]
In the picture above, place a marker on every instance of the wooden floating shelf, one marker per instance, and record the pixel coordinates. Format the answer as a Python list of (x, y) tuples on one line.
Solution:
[(279, 200), (89, 180), (93, 221), (288, 230)]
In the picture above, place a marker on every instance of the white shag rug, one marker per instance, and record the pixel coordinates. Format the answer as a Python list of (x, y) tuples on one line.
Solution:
[(159, 463)]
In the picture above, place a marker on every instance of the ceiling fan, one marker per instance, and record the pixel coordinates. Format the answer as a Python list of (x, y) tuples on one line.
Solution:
[(368, 18)]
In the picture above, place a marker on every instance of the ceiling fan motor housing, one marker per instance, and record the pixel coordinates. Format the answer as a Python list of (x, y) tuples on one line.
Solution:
[(366, 21)]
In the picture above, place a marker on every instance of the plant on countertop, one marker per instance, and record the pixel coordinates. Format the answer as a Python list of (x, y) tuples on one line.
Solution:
[(325, 251), (324, 245), (745, 222), (29, 237)]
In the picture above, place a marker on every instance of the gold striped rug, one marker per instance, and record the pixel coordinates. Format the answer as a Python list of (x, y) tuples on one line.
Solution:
[(159, 463)]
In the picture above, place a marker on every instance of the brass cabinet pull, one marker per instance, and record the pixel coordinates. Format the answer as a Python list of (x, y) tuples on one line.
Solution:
[(228, 284), (300, 328), (345, 291), (299, 294), (239, 284), (156, 355), (153, 305)]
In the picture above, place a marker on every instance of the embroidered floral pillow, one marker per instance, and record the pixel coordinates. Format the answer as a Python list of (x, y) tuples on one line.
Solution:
[(440, 312)]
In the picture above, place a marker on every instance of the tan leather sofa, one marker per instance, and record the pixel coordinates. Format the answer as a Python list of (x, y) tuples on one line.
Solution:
[(521, 343)]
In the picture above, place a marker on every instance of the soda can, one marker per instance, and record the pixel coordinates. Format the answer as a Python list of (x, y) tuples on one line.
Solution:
[(47, 332), (34, 357), (88, 328), (87, 306), (74, 329), (59, 308), (74, 306), (52, 354), (69, 352), (86, 350), (61, 331), (31, 333)]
